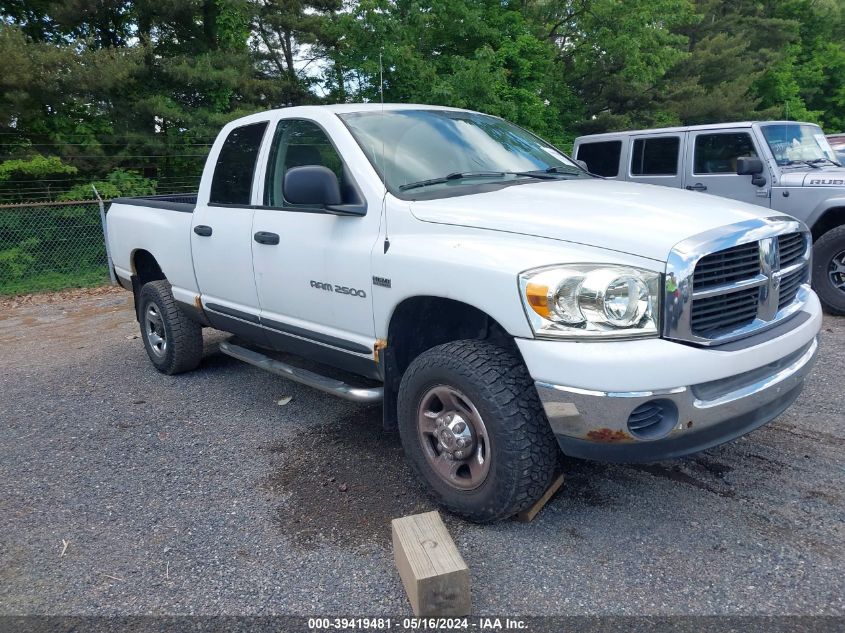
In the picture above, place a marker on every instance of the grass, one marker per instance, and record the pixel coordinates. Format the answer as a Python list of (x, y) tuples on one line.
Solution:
[(52, 281)]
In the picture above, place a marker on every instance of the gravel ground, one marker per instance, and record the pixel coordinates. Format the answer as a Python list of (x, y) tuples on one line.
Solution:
[(123, 491)]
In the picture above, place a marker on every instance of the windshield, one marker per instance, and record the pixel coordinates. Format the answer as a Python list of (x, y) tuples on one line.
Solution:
[(796, 144), (432, 151)]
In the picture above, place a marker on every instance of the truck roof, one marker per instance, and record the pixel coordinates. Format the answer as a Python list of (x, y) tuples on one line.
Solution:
[(688, 128), (344, 108)]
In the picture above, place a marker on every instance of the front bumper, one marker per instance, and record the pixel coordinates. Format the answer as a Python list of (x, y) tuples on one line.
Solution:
[(706, 396)]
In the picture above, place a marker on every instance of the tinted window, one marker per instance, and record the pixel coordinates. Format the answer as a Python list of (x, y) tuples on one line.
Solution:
[(601, 158), (295, 144), (655, 156), (232, 182), (717, 153)]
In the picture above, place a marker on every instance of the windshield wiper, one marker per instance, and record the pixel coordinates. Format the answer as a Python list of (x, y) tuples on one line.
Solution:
[(455, 175), (812, 164), (568, 171), (823, 160), (464, 175)]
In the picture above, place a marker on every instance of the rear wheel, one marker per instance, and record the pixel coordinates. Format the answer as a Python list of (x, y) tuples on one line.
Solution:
[(474, 430), (172, 340), (829, 270)]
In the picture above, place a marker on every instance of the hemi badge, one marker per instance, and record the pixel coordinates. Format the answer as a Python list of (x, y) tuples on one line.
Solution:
[(384, 282)]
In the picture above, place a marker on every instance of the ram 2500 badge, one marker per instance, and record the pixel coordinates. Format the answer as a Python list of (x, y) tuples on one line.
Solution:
[(507, 307)]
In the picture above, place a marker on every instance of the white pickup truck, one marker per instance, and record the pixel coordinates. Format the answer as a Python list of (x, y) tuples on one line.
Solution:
[(506, 306)]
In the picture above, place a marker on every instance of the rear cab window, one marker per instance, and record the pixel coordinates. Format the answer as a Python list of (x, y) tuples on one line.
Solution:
[(235, 167), (602, 157)]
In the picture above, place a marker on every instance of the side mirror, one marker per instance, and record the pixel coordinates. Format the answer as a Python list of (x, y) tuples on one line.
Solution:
[(751, 166), (312, 184)]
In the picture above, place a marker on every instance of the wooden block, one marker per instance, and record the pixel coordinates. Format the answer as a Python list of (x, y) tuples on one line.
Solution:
[(434, 573), (527, 515)]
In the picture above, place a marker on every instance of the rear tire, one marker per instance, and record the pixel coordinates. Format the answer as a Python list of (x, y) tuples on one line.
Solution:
[(486, 388), (829, 270), (172, 340)]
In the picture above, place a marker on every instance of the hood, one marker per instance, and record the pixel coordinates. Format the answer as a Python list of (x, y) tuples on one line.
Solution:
[(643, 220), (824, 177)]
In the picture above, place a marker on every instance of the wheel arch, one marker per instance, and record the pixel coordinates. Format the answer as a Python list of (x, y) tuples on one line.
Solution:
[(829, 219), (145, 266), (422, 322)]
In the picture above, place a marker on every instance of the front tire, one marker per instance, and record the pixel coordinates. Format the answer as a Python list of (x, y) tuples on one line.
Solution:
[(172, 340), (829, 270), (474, 431)]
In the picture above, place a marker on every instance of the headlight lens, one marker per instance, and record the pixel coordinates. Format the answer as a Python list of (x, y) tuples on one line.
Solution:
[(591, 300)]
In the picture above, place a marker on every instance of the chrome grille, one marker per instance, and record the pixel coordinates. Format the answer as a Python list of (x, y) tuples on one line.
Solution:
[(791, 248), (789, 285), (723, 311), (727, 287), (728, 266)]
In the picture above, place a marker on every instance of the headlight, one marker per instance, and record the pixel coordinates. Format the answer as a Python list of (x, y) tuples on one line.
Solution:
[(591, 300)]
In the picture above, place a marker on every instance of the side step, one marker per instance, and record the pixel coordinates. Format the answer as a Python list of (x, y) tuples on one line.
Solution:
[(303, 376)]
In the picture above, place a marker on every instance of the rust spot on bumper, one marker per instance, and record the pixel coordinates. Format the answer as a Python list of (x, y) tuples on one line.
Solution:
[(608, 436), (379, 345), (198, 302)]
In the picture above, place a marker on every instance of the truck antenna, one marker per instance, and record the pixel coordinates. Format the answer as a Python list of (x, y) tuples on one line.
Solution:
[(383, 164)]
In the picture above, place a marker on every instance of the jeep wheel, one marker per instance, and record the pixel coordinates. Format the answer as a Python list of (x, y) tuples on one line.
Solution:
[(474, 431), (172, 340), (829, 270)]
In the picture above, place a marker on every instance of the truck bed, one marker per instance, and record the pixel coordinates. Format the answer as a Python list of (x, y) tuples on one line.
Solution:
[(184, 202)]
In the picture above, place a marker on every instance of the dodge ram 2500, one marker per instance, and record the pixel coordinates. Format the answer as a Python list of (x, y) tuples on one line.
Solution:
[(507, 307)]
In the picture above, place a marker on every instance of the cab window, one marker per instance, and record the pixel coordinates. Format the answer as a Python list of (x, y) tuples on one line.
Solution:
[(717, 153), (602, 158), (233, 173), (297, 143), (655, 156)]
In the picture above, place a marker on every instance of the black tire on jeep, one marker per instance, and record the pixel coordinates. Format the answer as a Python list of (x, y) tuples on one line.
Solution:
[(474, 431), (172, 340), (829, 270)]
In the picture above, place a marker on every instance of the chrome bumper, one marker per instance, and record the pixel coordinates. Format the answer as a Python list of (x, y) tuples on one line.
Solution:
[(595, 424)]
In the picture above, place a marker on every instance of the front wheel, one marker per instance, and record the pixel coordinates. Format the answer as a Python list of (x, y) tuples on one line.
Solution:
[(829, 270), (474, 431)]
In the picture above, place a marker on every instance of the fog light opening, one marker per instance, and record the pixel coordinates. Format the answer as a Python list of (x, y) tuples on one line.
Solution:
[(653, 419)]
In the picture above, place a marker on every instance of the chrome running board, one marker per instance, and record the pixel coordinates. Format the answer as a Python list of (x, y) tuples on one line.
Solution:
[(303, 376)]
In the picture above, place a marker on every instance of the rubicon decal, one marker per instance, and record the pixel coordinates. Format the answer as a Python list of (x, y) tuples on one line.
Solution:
[(342, 290), (827, 181)]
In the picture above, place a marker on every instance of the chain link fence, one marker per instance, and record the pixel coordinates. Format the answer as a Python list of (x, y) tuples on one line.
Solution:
[(51, 246)]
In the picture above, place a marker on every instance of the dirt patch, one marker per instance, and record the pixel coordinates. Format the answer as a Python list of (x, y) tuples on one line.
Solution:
[(63, 296), (343, 483), (67, 320)]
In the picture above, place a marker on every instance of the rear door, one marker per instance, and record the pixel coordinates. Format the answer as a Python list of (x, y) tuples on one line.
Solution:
[(711, 165), (221, 233), (657, 159)]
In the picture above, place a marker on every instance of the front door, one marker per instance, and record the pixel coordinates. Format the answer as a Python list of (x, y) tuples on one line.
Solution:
[(221, 235), (712, 166), (312, 268)]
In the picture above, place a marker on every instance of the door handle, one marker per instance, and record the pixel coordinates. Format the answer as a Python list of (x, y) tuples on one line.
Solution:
[(263, 237), (696, 187), (202, 229)]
